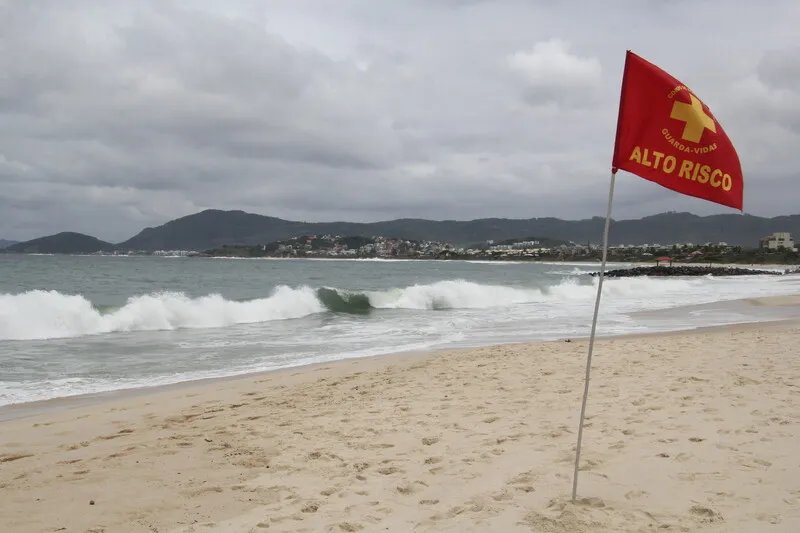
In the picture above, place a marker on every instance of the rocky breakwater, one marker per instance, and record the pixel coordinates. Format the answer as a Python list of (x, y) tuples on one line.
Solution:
[(677, 270)]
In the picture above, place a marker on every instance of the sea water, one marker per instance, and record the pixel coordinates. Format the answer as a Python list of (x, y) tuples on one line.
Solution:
[(73, 325)]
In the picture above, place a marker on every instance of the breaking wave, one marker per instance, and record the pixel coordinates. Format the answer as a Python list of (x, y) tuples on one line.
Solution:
[(41, 314), (51, 314)]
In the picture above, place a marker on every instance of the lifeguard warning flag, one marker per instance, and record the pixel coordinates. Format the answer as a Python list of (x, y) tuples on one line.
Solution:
[(667, 135)]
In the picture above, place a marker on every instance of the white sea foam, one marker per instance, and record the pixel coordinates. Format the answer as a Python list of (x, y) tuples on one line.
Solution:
[(574, 271), (49, 314), (452, 294)]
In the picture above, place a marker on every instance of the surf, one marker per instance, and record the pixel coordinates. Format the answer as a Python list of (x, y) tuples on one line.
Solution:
[(49, 314)]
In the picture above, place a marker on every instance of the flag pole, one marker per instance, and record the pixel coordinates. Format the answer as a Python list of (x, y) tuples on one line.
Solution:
[(614, 168), (592, 334)]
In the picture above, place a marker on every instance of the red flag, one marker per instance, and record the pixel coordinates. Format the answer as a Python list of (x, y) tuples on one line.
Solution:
[(667, 135)]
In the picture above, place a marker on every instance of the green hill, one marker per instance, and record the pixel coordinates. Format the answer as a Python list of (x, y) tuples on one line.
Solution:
[(214, 228), (62, 243)]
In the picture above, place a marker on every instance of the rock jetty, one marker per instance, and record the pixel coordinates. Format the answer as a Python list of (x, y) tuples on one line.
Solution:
[(663, 270)]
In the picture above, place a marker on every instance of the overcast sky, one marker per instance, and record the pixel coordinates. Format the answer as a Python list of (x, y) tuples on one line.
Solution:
[(118, 114)]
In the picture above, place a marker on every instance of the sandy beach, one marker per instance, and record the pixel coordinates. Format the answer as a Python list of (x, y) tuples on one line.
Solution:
[(693, 431)]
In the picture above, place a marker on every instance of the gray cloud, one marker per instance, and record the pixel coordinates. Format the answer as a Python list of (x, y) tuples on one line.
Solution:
[(118, 115), (552, 75)]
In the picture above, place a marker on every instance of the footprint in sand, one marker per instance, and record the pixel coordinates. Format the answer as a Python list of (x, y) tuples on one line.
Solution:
[(411, 488), (704, 514), (591, 502), (523, 482), (8, 457), (360, 467), (310, 507), (503, 495), (350, 527), (772, 519), (201, 491), (109, 437)]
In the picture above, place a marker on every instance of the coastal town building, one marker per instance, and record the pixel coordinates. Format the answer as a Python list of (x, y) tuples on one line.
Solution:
[(779, 247), (778, 240)]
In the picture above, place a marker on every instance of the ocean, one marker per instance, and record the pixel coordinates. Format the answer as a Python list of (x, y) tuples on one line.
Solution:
[(73, 325)]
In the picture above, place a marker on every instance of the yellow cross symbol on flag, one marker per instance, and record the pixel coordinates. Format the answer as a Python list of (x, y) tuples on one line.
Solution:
[(694, 116)]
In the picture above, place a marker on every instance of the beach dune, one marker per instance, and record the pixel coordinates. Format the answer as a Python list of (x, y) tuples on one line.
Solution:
[(690, 431)]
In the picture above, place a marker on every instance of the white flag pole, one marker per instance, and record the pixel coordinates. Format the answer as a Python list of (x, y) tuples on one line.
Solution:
[(591, 335)]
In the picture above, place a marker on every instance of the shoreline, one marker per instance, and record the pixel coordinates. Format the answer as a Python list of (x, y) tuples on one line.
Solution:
[(482, 260), (685, 431), (53, 405)]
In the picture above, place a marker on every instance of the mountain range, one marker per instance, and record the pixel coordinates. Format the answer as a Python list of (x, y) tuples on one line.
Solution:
[(214, 228), (4, 243)]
